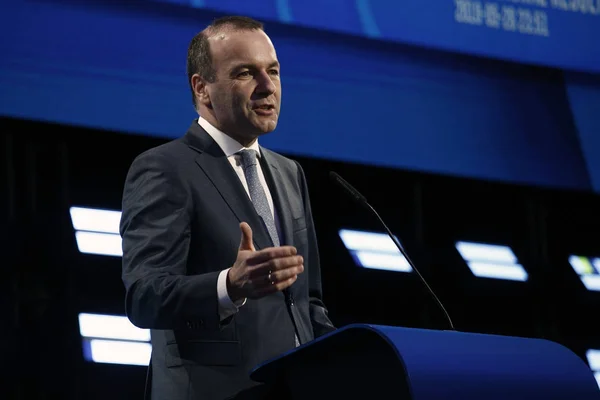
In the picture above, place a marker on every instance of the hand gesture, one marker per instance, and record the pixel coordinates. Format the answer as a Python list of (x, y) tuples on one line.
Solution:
[(259, 273)]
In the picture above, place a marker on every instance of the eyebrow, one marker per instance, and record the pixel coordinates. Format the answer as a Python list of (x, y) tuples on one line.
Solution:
[(253, 66)]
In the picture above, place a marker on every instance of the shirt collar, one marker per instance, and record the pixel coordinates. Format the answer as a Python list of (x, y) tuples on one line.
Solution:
[(229, 145)]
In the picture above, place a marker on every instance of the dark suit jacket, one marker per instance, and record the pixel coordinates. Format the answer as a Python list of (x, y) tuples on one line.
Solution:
[(182, 205)]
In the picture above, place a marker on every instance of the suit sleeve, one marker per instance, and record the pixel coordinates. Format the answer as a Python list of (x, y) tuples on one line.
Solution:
[(155, 228), (319, 318)]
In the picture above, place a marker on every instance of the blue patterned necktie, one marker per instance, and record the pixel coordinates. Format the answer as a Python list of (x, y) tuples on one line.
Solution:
[(259, 197), (257, 192)]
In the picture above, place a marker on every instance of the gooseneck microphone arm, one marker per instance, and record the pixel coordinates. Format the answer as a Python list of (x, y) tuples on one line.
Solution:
[(360, 199)]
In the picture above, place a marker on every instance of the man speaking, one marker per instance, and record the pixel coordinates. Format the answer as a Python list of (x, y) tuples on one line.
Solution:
[(220, 256)]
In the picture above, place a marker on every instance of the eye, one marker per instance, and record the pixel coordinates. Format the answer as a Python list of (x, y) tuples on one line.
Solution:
[(243, 74), (274, 72)]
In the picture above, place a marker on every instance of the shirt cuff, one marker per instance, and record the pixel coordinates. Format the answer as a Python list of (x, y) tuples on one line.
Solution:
[(226, 306)]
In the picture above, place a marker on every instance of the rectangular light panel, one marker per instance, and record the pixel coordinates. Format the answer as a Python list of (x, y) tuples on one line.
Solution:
[(105, 244), (593, 358), (588, 270), (95, 220), (113, 339), (118, 352), (374, 250), (492, 261), (97, 231), (111, 327)]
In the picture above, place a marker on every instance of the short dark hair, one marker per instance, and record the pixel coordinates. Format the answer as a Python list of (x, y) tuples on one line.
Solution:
[(199, 59)]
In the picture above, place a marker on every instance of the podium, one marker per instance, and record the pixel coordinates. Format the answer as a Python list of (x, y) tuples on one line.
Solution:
[(371, 362)]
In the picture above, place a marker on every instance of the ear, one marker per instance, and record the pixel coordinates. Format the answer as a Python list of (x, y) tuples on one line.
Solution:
[(200, 90)]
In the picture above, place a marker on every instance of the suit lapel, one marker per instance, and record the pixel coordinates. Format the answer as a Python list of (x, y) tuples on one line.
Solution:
[(277, 186), (217, 168)]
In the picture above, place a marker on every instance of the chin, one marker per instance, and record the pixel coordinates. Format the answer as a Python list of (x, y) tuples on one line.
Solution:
[(266, 128)]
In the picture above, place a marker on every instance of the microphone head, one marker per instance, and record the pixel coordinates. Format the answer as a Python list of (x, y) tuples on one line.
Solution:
[(348, 188), (335, 177)]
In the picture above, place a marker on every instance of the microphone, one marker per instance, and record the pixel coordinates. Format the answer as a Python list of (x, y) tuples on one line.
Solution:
[(361, 200)]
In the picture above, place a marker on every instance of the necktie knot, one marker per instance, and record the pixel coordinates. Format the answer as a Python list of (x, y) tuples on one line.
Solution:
[(249, 158)]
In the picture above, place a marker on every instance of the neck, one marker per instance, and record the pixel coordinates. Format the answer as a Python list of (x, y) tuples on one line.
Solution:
[(244, 140)]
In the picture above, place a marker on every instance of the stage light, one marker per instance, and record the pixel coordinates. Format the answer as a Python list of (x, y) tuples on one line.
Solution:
[(105, 244), (374, 250), (111, 327), (95, 220), (491, 261), (113, 339), (588, 270), (117, 352), (593, 359), (97, 231)]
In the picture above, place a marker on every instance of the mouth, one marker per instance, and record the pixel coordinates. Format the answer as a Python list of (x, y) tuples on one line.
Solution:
[(265, 109)]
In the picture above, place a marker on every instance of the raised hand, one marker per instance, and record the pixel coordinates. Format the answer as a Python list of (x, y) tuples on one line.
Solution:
[(259, 273)]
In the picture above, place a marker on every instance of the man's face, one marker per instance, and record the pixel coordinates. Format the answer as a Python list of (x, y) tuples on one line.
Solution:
[(246, 97)]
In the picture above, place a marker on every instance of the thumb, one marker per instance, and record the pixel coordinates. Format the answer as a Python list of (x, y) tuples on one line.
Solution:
[(246, 242)]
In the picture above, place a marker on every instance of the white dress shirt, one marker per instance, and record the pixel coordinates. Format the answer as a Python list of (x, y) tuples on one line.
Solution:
[(230, 146)]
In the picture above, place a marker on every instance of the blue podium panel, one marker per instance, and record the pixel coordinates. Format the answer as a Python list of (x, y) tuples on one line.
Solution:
[(460, 365), (359, 361)]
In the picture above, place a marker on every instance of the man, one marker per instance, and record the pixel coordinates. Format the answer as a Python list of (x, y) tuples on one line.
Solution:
[(220, 256)]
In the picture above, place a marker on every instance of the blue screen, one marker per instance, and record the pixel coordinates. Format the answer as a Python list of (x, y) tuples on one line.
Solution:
[(556, 33), (351, 92)]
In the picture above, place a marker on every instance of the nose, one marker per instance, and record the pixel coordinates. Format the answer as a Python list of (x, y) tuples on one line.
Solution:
[(265, 85)]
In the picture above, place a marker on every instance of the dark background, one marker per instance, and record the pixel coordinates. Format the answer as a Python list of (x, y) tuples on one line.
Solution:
[(48, 168)]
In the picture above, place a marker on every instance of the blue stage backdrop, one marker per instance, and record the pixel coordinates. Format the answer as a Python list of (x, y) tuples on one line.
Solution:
[(350, 91)]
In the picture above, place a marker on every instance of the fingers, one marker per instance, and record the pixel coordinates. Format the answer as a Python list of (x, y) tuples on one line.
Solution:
[(276, 277), (265, 281), (271, 253), (276, 287), (246, 241), (275, 265), (269, 281)]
